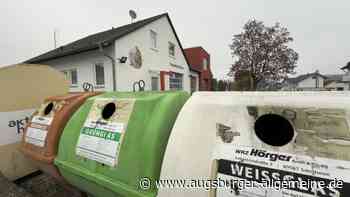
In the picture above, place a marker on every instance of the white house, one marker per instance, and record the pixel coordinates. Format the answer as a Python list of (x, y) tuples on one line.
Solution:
[(336, 82), (307, 82), (339, 82), (147, 50)]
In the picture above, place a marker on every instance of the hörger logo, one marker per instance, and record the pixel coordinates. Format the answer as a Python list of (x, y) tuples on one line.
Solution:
[(271, 156)]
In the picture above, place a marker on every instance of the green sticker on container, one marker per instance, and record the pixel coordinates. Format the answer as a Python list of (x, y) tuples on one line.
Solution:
[(100, 137)]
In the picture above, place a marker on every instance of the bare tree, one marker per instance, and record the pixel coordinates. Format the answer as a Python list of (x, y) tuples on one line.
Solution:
[(263, 52)]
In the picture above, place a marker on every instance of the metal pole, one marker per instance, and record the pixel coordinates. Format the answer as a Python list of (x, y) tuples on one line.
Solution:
[(113, 66)]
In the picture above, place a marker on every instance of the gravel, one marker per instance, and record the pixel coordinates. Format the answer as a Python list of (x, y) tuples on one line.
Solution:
[(9, 189), (40, 185)]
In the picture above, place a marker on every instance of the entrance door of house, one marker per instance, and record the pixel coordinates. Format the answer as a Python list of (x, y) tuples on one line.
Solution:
[(193, 84), (155, 83)]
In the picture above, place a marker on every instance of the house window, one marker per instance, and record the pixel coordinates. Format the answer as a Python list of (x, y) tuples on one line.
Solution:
[(171, 49), (153, 35), (99, 74), (175, 81), (155, 83), (72, 76), (205, 64)]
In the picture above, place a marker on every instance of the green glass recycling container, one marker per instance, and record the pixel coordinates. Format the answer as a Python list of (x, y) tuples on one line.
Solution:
[(117, 139)]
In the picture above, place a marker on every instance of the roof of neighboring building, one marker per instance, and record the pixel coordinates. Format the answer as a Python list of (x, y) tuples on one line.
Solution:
[(195, 68), (299, 78), (347, 66), (334, 77), (104, 38), (190, 53), (197, 47)]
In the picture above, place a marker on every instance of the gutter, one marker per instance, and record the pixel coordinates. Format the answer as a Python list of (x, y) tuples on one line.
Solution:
[(113, 65)]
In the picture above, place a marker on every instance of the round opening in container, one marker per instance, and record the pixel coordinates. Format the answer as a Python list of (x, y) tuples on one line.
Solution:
[(108, 111), (274, 130), (48, 109)]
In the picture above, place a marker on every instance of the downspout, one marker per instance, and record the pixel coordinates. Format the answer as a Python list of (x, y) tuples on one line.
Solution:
[(113, 65)]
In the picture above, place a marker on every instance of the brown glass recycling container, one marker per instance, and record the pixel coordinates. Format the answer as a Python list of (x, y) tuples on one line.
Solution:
[(42, 135)]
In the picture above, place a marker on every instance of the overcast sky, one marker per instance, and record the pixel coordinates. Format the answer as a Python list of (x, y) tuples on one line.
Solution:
[(320, 27)]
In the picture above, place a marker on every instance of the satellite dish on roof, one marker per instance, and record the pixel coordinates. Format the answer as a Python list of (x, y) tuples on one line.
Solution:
[(132, 14)]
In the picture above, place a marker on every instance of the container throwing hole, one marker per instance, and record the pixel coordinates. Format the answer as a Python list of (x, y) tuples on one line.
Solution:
[(108, 111), (48, 109), (274, 130)]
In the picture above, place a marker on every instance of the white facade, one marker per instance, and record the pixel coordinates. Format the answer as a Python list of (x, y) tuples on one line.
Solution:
[(340, 85), (311, 82), (84, 63), (155, 60), (337, 85)]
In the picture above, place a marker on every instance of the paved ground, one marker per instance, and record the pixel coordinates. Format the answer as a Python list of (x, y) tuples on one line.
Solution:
[(43, 186), (38, 186), (9, 189)]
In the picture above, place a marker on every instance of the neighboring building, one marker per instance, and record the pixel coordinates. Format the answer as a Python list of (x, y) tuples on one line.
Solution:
[(346, 76), (335, 82), (340, 82), (115, 59), (315, 81), (199, 60), (308, 82)]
